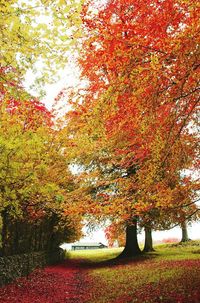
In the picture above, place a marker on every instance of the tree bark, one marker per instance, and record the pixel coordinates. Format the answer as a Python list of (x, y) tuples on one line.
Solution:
[(6, 235), (15, 233), (4, 232), (185, 237), (148, 245), (131, 248)]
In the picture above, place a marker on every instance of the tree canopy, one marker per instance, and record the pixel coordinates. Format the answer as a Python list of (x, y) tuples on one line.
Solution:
[(139, 109), (133, 127), (37, 35)]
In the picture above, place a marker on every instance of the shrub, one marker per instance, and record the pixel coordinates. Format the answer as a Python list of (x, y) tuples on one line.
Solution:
[(170, 240)]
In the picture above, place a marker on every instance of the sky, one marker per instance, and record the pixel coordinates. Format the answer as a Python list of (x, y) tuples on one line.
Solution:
[(99, 236), (193, 232), (69, 77)]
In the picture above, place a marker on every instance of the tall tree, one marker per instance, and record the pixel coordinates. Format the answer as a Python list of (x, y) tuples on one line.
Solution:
[(140, 60)]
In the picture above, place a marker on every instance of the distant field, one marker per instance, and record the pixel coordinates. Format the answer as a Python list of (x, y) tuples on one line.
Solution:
[(94, 255), (171, 274)]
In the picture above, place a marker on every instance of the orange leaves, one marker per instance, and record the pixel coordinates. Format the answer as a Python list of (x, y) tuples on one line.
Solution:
[(132, 126)]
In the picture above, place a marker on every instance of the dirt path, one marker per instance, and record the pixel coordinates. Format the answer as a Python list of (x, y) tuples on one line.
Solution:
[(64, 283)]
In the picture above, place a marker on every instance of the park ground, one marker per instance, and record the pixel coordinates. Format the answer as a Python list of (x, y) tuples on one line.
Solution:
[(171, 274)]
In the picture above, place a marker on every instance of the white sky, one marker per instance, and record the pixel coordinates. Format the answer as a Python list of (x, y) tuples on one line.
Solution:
[(69, 77), (99, 236), (193, 233)]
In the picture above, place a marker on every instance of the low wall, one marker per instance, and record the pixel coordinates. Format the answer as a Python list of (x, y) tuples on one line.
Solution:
[(15, 266)]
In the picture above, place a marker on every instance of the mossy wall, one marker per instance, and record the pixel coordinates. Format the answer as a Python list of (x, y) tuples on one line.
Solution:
[(15, 266)]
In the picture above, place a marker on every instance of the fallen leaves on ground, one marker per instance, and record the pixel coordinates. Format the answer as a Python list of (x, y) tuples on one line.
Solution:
[(62, 283), (147, 281), (143, 280)]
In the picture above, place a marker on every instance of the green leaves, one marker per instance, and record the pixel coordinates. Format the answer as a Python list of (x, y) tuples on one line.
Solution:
[(59, 198), (32, 31)]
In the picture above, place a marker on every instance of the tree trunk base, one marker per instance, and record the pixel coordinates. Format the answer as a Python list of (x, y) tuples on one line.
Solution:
[(131, 248), (127, 255), (148, 250), (184, 230), (185, 240)]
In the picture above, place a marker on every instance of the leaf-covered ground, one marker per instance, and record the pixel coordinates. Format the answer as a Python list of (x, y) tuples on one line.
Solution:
[(64, 283), (147, 282), (170, 275)]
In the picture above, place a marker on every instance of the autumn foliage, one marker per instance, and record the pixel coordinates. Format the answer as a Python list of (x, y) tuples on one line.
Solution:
[(126, 153), (54, 284), (35, 179), (115, 234), (134, 125)]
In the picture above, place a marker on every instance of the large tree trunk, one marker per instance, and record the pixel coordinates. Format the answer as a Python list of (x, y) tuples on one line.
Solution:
[(148, 245), (131, 248), (185, 237)]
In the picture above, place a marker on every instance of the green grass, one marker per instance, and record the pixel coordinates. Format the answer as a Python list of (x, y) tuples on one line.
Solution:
[(170, 274), (96, 255), (182, 251)]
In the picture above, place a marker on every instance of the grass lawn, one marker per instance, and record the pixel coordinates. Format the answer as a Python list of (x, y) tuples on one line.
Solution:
[(171, 274)]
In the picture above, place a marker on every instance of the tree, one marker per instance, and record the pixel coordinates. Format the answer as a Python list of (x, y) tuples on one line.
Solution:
[(115, 234), (36, 183), (140, 60), (148, 244)]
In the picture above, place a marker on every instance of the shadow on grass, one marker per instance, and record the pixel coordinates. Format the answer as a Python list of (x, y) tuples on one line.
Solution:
[(85, 264)]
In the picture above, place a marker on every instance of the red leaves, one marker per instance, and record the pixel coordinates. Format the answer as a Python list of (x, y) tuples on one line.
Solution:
[(67, 283), (140, 60), (32, 111), (15, 101), (56, 284), (181, 289), (158, 282)]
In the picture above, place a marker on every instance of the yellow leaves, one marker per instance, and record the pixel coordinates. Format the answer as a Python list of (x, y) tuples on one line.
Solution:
[(40, 28), (155, 62), (32, 167)]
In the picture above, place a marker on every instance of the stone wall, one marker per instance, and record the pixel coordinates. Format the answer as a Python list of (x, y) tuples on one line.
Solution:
[(15, 266)]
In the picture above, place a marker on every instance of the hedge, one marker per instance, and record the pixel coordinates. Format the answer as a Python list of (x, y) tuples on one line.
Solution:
[(15, 266)]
